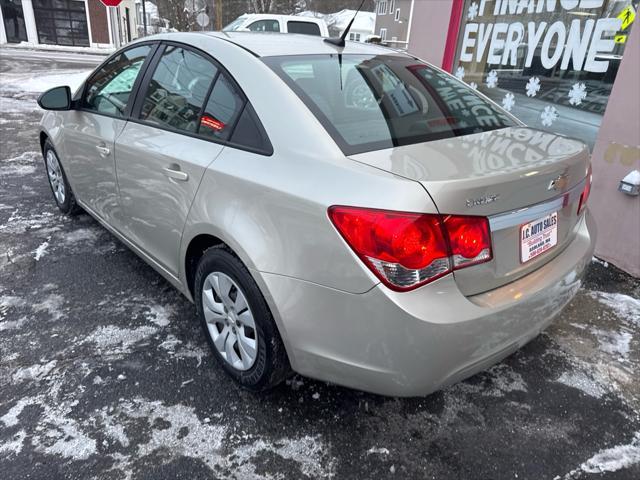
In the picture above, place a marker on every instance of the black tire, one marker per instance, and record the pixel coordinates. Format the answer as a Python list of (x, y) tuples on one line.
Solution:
[(271, 365), (69, 206)]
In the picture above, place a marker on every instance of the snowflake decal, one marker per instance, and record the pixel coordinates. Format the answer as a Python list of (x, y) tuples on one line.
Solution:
[(473, 11), (508, 101), (533, 86), (474, 85), (577, 93), (460, 73), (548, 115), (492, 79), (466, 113)]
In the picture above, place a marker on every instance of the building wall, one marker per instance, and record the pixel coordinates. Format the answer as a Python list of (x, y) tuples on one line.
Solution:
[(616, 153), (98, 19), (133, 22), (429, 29), (398, 29)]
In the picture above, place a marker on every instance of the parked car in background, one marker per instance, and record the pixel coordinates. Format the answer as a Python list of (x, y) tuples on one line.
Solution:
[(262, 22), (347, 212)]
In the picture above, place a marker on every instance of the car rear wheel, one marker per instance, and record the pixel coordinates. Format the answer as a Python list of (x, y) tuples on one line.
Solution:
[(237, 322), (62, 193)]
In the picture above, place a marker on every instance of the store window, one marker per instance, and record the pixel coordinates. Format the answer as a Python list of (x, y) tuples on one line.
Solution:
[(551, 63), (13, 20)]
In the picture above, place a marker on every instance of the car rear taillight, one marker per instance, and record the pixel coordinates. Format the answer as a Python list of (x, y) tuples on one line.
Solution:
[(406, 250), (470, 240), (585, 193)]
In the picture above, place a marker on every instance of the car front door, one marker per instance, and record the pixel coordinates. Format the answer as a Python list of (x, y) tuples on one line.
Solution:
[(186, 109), (91, 129)]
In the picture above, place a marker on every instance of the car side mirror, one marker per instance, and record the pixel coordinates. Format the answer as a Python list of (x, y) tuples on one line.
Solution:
[(58, 98)]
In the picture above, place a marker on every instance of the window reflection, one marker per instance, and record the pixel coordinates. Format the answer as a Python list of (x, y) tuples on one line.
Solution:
[(178, 89)]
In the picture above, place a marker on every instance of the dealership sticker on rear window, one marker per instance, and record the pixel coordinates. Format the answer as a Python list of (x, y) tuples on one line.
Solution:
[(538, 236)]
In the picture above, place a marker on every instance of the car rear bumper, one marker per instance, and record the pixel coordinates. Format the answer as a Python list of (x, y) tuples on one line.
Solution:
[(412, 343)]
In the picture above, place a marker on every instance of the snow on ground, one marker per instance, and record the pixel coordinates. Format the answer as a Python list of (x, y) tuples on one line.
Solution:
[(29, 83), (22, 165), (609, 460), (625, 307)]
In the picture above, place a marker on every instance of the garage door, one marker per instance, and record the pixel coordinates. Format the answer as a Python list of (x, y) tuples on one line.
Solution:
[(61, 22)]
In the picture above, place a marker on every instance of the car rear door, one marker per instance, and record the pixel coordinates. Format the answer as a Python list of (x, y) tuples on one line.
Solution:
[(90, 130), (186, 110)]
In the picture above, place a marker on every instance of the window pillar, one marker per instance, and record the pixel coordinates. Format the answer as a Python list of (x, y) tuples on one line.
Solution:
[(30, 22)]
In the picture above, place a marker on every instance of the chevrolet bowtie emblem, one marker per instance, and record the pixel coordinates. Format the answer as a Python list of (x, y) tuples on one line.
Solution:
[(559, 183)]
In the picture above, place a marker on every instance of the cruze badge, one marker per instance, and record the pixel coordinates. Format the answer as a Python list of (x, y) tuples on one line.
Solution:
[(558, 183), (476, 202)]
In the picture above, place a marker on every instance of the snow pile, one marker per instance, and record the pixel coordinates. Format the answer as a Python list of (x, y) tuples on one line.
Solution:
[(364, 23), (583, 382), (40, 251), (614, 458)]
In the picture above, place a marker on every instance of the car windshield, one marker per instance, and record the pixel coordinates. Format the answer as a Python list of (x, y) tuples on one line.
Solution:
[(372, 102), (235, 25)]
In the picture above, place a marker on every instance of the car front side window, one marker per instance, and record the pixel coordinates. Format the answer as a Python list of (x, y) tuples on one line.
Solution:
[(109, 89), (178, 89)]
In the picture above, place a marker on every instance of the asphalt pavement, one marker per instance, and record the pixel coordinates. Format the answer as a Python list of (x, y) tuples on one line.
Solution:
[(105, 373)]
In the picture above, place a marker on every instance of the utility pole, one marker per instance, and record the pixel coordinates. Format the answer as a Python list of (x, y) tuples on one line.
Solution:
[(144, 17), (217, 7)]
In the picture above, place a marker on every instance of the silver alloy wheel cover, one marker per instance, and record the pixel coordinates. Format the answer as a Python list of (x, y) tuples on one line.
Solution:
[(229, 321), (54, 173)]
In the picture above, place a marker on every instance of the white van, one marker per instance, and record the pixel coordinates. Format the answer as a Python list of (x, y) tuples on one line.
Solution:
[(263, 22)]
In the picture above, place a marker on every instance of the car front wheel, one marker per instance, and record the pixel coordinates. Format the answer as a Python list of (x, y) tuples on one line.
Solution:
[(62, 193)]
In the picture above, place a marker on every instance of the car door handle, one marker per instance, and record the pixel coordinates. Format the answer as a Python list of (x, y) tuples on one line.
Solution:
[(102, 150), (175, 173)]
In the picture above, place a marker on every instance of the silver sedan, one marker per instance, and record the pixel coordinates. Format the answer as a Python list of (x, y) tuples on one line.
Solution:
[(350, 213)]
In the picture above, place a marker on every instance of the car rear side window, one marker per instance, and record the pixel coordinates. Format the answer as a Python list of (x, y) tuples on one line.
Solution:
[(306, 28), (372, 102), (249, 132), (178, 89), (109, 89), (223, 108), (265, 26)]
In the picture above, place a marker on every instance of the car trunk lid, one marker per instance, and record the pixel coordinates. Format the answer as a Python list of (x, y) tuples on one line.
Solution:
[(515, 176)]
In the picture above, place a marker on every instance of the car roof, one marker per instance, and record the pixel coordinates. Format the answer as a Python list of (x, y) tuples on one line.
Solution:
[(270, 44)]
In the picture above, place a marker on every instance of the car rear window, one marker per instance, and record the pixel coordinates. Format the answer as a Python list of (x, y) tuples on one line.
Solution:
[(306, 28), (372, 102)]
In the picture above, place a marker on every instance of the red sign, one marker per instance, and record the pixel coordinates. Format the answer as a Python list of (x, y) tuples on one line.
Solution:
[(111, 3)]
